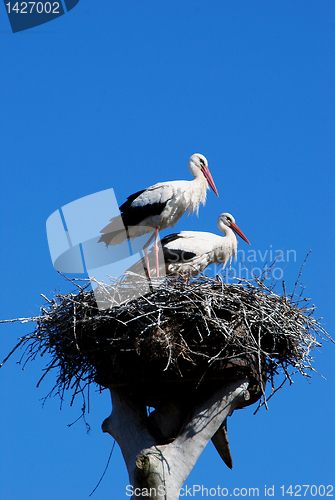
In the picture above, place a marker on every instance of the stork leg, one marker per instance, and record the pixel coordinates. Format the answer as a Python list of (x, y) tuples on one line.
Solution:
[(155, 234), (156, 252), (146, 260), (146, 253)]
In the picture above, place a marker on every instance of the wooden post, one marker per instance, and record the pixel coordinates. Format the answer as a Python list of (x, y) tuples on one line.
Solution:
[(158, 471)]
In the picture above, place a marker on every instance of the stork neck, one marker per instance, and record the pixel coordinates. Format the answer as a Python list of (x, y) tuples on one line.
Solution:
[(195, 171), (229, 233), (199, 180), (197, 191)]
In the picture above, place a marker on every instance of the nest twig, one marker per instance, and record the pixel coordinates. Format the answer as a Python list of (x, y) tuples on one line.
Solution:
[(177, 332)]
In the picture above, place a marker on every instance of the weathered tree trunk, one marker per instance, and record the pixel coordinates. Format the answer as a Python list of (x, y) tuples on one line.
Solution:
[(158, 471)]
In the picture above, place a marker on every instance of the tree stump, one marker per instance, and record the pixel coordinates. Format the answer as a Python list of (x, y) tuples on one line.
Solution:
[(157, 469)]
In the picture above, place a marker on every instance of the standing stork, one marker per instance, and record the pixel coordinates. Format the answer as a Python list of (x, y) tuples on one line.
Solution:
[(189, 252), (160, 206)]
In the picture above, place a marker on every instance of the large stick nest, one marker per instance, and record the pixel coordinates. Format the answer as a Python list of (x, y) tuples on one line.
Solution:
[(178, 335)]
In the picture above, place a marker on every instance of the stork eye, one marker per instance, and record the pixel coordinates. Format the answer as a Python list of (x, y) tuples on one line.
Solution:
[(202, 161)]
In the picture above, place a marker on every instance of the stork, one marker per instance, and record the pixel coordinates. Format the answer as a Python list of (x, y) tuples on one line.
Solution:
[(189, 252), (160, 206)]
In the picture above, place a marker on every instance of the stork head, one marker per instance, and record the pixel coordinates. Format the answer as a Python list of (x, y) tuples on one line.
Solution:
[(198, 163), (229, 221)]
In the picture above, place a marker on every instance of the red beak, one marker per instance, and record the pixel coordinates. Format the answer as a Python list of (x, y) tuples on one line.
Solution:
[(207, 174), (239, 232)]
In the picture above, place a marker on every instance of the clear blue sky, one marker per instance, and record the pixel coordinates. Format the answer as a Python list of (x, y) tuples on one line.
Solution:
[(120, 94)]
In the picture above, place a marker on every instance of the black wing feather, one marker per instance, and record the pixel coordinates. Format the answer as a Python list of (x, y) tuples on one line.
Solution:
[(131, 216), (125, 206), (169, 238), (172, 255)]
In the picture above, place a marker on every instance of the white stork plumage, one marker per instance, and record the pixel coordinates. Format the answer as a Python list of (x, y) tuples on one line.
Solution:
[(160, 206), (189, 252)]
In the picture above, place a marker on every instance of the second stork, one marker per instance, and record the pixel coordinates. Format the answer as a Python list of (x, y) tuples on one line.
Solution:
[(189, 252)]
